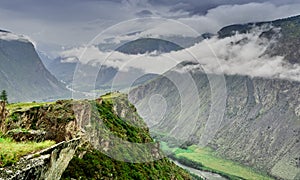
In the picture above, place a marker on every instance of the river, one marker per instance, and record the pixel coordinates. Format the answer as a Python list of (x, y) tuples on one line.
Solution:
[(203, 174)]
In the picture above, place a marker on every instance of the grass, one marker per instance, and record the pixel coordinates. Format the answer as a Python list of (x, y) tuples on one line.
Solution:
[(212, 162), (96, 165), (111, 95), (26, 105), (11, 151)]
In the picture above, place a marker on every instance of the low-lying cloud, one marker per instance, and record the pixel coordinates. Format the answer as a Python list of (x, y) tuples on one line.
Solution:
[(242, 54), (8, 36)]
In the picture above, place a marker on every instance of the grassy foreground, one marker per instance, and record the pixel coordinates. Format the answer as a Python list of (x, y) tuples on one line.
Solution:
[(11, 151), (211, 162)]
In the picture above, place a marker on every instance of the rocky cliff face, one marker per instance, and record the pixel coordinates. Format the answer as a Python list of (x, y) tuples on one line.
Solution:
[(252, 120), (260, 126), (94, 140), (47, 164)]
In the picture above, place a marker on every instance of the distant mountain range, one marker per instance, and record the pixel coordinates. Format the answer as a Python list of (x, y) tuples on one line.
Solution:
[(22, 73)]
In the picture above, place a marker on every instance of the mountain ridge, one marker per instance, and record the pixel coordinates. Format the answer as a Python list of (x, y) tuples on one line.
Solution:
[(148, 45), (287, 36), (24, 76)]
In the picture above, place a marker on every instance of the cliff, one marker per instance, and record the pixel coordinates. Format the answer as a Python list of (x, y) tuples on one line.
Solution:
[(95, 139)]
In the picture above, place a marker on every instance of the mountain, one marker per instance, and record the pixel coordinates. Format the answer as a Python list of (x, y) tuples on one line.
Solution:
[(180, 41), (147, 45), (286, 32), (251, 120), (93, 139), (260, 127), (63, 71), (23, 74), (46, 60)]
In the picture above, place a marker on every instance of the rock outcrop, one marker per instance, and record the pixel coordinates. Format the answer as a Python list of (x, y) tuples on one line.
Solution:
[(47, 164), (95, 140)]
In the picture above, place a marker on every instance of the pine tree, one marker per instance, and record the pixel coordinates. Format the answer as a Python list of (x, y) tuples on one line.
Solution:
[(3, 96)]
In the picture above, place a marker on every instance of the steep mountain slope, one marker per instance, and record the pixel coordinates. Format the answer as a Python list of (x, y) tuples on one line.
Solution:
[(285, 31), (62, 71), (260, 127), (23, 75), (106, 76), (84, 131), (251, 120)]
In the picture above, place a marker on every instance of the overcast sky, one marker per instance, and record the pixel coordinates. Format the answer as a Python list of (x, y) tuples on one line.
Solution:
[(56, 23)]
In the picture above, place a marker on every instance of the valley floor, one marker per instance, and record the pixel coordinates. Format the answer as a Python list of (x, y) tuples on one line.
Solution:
[(205, 159)]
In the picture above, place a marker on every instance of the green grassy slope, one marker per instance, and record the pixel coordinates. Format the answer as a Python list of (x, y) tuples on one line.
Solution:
[(97, 165), (207, 160)]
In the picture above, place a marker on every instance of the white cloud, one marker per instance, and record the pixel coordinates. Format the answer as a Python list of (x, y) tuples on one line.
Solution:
[(240, 54), (13, 37), (231, 56), (193, 26)]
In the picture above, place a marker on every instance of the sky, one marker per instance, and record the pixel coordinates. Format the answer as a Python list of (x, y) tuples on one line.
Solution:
[(56, 24)]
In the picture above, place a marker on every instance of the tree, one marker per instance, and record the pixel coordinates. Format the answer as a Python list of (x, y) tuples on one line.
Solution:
[(3, 96)]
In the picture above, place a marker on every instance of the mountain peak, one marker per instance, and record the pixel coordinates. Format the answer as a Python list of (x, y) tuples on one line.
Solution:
[(147, 45)]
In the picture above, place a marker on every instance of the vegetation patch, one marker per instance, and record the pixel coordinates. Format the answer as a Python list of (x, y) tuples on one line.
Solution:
[(205, 159), (11, 151), (119, 126), (112, 111), (96, 165), (111, 95), (26, 105)]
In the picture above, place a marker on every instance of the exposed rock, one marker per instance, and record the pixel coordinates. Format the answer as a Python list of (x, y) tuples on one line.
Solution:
[(46, 164), (31, 135), (55, 121), (85, 129)]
